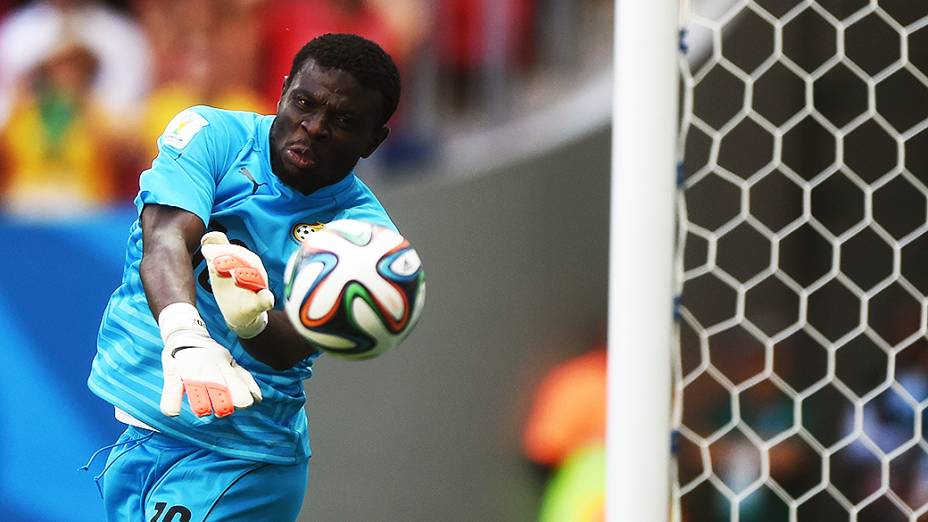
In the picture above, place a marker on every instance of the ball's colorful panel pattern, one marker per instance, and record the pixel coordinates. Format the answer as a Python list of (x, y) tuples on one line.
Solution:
[(355, 289)]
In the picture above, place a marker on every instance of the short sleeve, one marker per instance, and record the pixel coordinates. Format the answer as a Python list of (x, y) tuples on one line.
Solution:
[(185, 172), (371, 213)]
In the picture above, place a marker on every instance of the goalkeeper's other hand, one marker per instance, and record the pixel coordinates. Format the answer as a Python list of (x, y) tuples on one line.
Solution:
[(195, 364), (239, 283)]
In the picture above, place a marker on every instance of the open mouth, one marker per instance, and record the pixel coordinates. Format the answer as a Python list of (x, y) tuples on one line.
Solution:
[(300, 155)]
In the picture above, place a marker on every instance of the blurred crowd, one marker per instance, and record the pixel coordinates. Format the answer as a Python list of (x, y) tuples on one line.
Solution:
[(87, 86)]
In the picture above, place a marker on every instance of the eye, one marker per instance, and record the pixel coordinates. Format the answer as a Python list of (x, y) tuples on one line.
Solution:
[(302, 101), (344, 120)]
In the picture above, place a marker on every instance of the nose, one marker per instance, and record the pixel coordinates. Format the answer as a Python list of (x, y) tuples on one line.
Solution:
[(314, 125)]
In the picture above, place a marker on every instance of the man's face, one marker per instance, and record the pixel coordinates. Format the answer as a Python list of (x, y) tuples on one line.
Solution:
[(326, 121)]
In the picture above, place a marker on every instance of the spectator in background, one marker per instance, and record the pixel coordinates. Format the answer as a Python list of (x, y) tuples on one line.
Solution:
[(394, 25), (477, 47), (54, 142), (78, 113), (28, 34), (565, 432), (569, 410), (205, 52)]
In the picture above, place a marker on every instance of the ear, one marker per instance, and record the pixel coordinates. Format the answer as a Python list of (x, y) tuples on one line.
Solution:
[(283, 91), (379, 135)]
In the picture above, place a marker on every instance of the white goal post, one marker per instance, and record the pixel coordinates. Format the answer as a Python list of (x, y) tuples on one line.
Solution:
[(796, 352), (644, 130)]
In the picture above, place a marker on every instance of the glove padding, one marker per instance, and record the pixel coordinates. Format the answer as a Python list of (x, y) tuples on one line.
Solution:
[(197, 365), (239, 283)]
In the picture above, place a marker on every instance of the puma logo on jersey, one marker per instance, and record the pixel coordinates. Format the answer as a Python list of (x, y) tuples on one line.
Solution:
[(255, 185)]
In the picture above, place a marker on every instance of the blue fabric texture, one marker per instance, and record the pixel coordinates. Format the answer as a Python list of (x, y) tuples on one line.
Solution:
[(151, 476)]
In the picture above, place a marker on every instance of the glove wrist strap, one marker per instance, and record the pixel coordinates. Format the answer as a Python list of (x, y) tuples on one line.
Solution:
[(178, 317)]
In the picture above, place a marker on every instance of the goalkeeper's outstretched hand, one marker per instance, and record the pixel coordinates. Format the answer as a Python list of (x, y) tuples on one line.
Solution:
[(239, 283), (197, 365)]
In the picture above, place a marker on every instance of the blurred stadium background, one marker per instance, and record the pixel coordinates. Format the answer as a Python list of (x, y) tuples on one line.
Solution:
[(800, 369)]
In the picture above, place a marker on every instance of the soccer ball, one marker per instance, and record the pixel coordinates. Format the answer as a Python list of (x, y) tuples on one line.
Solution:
[(354, 289)]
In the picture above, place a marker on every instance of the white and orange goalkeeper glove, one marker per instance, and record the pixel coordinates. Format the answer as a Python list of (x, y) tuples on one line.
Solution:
[(239, 283), (196, 365)]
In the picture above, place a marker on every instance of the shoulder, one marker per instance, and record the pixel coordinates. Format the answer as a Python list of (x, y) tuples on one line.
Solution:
[(363, 204), (222, 118), (219, 125), (357, 193)]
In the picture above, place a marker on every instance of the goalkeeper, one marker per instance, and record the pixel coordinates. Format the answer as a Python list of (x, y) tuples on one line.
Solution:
[(194, 351)]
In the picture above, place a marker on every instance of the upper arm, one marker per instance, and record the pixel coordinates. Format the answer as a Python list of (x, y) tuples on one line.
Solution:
[(192, 154), (169, 237)]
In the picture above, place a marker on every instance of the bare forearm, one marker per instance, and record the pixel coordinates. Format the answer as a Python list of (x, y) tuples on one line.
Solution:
[(279, 345), (169, 236), (167, 277)]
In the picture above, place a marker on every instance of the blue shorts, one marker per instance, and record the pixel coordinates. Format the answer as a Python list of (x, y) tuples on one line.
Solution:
[(152, 477)]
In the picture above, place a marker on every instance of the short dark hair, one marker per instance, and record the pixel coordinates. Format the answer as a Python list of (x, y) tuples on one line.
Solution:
[(363, 59)]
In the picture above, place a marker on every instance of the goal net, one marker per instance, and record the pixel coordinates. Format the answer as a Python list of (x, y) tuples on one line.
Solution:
[(801, 368)]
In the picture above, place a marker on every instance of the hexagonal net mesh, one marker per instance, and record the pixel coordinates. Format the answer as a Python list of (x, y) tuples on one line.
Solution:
[(801, 374)]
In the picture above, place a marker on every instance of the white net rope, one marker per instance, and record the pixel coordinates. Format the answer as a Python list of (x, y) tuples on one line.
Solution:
[(801, 375)]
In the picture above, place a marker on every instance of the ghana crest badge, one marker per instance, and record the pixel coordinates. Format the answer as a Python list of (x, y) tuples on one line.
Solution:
[(302, 230)]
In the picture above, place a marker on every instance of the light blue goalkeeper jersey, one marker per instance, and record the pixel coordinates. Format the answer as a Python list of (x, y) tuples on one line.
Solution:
[(216, 164)]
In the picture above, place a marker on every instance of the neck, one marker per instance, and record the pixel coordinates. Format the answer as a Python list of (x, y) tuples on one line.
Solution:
[(312, 185)]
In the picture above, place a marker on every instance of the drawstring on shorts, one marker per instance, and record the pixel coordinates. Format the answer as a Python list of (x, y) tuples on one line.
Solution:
[(134, 444)]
